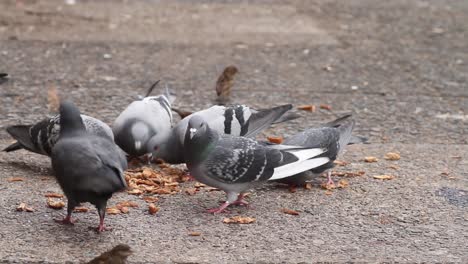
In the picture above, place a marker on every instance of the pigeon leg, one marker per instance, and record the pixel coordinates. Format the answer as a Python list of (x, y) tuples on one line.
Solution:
[(102, 213), (231, 198), (68, 220), (240, 200), (330, 181)]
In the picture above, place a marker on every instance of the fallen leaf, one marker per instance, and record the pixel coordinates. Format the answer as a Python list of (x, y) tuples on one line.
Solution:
[(55, 204), (343, 184), (113, 210), (15, 179), (348, 173), (310, 108), (194, 234), (308, 186), (22, 207), (80, 209), (328, 192), (191, 191), (292, 188), (150, 199), (152, 209), (384, 177), (392, 156), (289, 211), (126, 204), (276, 140), (328, 186), (124, 210), (325, 107), (445, 173), (239, 220), (54, 195), (340, 163), (135, 192), (395, 167), (370, 159)]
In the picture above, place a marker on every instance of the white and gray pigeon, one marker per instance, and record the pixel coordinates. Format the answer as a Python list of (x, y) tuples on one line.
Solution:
[(237, 164), (141, 120), (337, 133), (236, 120), (88, 168), (41, 137)]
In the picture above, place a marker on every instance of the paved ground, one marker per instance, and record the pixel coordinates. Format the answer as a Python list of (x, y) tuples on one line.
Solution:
[(408, 60)]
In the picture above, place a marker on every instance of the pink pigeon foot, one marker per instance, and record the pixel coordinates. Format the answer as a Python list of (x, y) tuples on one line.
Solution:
[(66, 221), (330, 181), (219, 209)]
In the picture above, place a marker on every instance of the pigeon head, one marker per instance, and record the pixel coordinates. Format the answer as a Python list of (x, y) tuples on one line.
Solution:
[(70, 118), (134, 138), (196, 128), (199, 140), (158, 144)]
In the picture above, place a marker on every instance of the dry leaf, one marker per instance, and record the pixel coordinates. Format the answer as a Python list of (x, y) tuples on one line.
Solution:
[(326, 107), (152, 209), (126, 204), (54, 195), (292, 188), (80, 209), (289, 211), (328, 186), (308, 186), (55, 204), (310, 108), (124, 209), (370, 159), (340, 163), (150, 199), (191, 191), (194, 234), (113, 210), (343, 184), (135, 192), (395, 167), (22, 207), (276, 140), (239, 220), (328, 192), (15, 179), (348, 173), (392, 156), (384, 177)]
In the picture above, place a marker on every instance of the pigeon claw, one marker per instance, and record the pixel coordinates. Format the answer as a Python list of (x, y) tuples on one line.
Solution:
[(219, 209), (101, 228), (66, 221)]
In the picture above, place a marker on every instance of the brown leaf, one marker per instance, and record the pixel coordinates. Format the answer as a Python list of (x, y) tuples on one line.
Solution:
[(150, 199), (292, 188), (340, 163), (239, 220), (135, 192), (308, 186), (55, 204), (15, 179), (370, 159), (54, 195), (147, 172), (22, 207), (392, 156), (276, 140), (310, 108), (126, 204), (152, 209), (113, 210), (191, 191), (124, 209), (384, 177), (343, 184), (289, 211), (328, 186), (194, 233), (395, 167), (80, 209), (328, 192), (348, 173), (326, 107)]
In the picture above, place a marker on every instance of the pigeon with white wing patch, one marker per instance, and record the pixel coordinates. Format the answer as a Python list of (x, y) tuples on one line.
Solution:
[(237, 164)]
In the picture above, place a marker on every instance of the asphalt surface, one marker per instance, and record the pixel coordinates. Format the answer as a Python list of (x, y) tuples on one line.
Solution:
[(401, 67)]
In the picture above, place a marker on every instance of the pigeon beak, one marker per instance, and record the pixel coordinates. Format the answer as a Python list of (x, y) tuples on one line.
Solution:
[(137, 145), (193, 131)]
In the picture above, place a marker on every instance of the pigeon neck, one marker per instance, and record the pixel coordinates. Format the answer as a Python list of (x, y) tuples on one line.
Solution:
[(172, 151), (71, 125)]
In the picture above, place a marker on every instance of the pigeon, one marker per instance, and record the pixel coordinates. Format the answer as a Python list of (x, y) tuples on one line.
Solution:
[(41, 137), (337, 132), (117, 255), (224, 85), (88, 168), (142, 119), (237, 164), (237, 120)]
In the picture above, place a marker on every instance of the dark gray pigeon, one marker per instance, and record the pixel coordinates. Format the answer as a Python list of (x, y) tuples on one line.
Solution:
[(336, 133), (237, 164), (41, 137), (236, 120), (142, 119), (88, 168)]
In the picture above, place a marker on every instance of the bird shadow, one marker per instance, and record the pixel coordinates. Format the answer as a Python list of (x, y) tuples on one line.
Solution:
[(34, 169)]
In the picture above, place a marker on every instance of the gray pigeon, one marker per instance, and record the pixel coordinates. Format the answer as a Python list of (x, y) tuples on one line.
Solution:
[(41, 137), (337, 132), (237, 164), (236, 120), (88, 168), (141, 120)]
